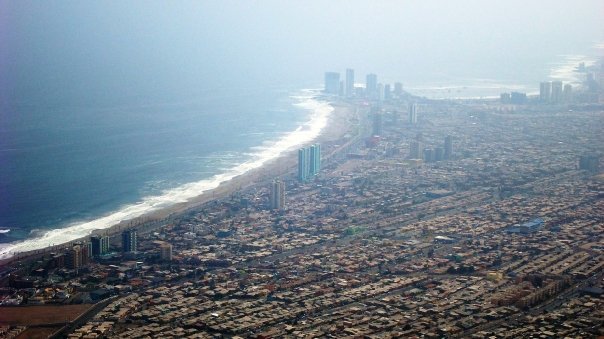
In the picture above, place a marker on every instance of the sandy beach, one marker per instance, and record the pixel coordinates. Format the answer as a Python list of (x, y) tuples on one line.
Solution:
[(338, 125)]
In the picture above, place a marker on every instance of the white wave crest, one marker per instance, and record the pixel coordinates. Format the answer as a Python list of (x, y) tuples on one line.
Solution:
[(319, 115)]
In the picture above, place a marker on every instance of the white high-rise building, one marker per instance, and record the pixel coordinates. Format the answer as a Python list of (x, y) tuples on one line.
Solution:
[(568, 93), (380, 92), (277, 198), (398, 88), (349, 83), (416, 150), (413, 111), (371, 86), (303, 164), (556, 91), (332, 83), (315, 159), (545, 91)]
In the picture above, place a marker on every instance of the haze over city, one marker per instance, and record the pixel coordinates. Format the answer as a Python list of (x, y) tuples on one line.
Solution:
[(56, 49)]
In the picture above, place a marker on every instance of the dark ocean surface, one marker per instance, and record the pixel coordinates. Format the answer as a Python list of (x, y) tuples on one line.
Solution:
[(69, 164)]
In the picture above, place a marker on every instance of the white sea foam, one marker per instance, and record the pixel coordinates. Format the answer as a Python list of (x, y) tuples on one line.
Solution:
[(4, 231), (319, 115)]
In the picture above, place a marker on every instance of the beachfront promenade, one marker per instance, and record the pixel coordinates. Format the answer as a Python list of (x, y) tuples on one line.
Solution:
[(380, 243)]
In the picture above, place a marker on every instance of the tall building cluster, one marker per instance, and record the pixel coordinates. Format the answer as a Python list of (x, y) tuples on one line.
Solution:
[(373, 90), (418, 151), (77, 256), (516, 98), (309, 162), (81, 253), (74, 256), (555, 92)]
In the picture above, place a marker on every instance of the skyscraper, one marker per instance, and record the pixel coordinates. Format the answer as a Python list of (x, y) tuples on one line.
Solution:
[(371, 86), (309, 162), (568, 93), (556, 92), (88, 247), (129, 240), (413, 110), (377, 123), (545, 91), (349, 83), (428, 155), (84, 254), (518, 98), (448, 147), (505, 98), (380, 92), (387, 92), (315, 159), (438, 154), (332, 82), (303, 164), (165, 251), (416, 150), (398, 88), (100, 245), (73, 257), (277, 198)]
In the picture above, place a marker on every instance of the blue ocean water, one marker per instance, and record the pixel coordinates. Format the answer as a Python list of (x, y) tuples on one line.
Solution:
[(71, 164)]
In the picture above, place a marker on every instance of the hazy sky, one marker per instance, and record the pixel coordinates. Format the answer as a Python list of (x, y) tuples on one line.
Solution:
[(86, 48)]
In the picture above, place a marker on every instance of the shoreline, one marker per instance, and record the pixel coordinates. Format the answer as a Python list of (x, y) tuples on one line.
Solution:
[(336, 127), (241, 181)]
